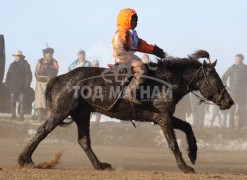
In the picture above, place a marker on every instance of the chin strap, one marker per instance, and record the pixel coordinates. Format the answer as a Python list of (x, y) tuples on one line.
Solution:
[(202, 99)]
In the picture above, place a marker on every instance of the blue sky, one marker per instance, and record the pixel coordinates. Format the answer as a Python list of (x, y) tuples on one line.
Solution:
[(179, 27)]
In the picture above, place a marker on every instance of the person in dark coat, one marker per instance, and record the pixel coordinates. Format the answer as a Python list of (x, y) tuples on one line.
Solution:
[(18, 80), (198, 111), (236, 79)]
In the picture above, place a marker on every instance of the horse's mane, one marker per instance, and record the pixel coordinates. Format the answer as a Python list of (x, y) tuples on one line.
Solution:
[(192, 60), (173, 68)]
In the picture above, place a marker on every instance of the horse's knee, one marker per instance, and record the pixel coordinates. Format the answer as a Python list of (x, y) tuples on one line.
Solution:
[(45, 128), (188, 126), (172, 142), (172, 146), (40, 130), (84, 143)]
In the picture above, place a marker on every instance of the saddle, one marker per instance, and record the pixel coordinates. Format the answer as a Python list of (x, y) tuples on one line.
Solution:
[(150, 66), (115, 81)]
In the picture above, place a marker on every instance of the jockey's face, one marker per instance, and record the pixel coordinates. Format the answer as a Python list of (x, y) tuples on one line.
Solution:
[(133, 22)]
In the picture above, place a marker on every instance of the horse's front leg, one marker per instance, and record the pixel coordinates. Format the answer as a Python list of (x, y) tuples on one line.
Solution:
[(167, 128), (187, 129)]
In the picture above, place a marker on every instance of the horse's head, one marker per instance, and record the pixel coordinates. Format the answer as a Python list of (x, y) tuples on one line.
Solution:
[(210, 85), (188, 75)]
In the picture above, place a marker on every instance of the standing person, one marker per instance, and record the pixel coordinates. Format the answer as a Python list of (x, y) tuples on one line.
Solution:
[(198, 111), (46, 68), (216, 113), (237, 76), (18, 80), (80, 61), (125, 43)]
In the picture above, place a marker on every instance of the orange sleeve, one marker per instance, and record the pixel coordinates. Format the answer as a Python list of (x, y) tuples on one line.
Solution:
[(144, 47), (119, 46)]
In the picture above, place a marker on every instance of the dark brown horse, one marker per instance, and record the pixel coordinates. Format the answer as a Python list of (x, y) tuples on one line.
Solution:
[(168, 84)]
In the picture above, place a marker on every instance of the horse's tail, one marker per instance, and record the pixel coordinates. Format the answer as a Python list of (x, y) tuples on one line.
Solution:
[(199, 54), (49, 89)]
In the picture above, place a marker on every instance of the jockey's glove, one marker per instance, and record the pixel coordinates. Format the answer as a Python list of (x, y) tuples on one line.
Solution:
[(159, 52)]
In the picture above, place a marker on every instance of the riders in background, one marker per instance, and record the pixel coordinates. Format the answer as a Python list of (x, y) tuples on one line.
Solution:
[(18, 80), (236, 76), (126, 42), (46, 68), (80, 61)]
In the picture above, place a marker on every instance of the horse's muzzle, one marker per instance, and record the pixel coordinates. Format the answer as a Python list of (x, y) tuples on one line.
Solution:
[(226, 104)]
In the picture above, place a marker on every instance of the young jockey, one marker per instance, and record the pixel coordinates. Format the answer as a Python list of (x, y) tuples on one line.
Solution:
[(125, 43)]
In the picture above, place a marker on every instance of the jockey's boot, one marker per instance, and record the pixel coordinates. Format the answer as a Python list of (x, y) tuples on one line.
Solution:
[(131, 92)]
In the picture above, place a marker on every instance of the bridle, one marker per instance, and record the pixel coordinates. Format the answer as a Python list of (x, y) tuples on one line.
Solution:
[(202, 99)]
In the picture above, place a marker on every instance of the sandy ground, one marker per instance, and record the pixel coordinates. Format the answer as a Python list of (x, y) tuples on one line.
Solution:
[(130, 161)]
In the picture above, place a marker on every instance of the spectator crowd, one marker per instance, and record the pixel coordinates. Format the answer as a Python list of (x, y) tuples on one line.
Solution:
[(19, 78)]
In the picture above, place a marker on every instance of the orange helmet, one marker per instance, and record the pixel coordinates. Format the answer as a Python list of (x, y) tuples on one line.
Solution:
[(124, 18)]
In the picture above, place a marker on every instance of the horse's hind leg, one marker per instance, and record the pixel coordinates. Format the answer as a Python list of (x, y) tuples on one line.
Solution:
[(42, 132), (187, 129), (82, 120), (169, 134)]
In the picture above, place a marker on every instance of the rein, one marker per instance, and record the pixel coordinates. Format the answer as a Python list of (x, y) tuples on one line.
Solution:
[(202, 99)]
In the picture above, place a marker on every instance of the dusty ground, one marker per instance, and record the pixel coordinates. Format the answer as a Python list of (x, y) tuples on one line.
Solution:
[(136, 157)]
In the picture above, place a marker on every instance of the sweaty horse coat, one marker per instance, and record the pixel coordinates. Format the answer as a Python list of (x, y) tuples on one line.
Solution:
[(184, 75)]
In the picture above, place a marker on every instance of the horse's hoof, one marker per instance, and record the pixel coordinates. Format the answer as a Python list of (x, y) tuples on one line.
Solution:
[(23, 161), (104, 166), (192, 157), (189, 170)]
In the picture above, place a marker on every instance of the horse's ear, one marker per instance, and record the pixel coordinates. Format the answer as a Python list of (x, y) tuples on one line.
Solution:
[(214, 64), (204, 63)]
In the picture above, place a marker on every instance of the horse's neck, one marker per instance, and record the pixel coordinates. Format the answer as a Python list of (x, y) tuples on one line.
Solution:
[(180, 82)]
